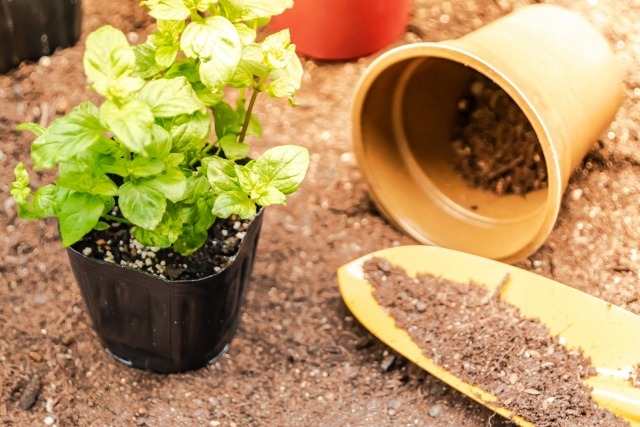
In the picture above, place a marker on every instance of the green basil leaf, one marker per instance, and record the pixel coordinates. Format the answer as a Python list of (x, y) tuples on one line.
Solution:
[(172, 184), (168, 32), (142, 205), (143, 166), (284, 86), (191, 239), (285, 67), (196, 186), (185, 68), (166, 41), (217, 44), (245, 10), (67, 136), (197, 218), (21, 193), (79, 215), (253, 59), (208, 96), (122, 87), (46, 199), (164, 234), (160, 144), (247, 34), (101, 226), (269, 195), (146, 64), (247, 179), (283, 167), (277, 49), (107, 57), (221, 174), (215, 36), (170, 97), (130, 122), (87, 181), (117, 166), (105, 147), (251, 64), (173, 160), (20, 189), (205, 218), (188, 131), (167, 9), (35, 128), (226, 119), (165, 55), (217, 72), (234, 202), (200, 5), (233, 150)]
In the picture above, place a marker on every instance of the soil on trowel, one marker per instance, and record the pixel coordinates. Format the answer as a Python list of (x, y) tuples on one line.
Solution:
[(469, 331), (495, 147)]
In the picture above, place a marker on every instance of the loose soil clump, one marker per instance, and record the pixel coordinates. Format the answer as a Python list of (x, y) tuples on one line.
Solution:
[(495, 146), (486, 342)]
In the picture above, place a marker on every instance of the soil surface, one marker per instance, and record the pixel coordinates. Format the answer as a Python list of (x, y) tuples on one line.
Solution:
[(469, 331), (495, 146), (299, 357), (118, 246)]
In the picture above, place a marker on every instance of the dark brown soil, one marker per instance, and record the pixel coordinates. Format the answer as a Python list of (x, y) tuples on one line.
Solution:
[(117, 245), (495, 146), (299, 357), (476, 336)]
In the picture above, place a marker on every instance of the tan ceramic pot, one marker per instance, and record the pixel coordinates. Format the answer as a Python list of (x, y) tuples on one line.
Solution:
[(557, 68)]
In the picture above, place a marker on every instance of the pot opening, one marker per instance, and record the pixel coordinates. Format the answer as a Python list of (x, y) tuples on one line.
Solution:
[(494, 144), (425, 175)]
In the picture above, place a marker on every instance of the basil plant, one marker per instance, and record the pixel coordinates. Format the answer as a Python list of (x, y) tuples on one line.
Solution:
[(167, 145)]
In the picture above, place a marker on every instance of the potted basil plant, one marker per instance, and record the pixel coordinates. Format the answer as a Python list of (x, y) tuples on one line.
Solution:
[(158, 204)]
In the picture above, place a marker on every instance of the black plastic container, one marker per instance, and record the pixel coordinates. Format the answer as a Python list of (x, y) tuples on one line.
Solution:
[(161, 325), (30, 29)]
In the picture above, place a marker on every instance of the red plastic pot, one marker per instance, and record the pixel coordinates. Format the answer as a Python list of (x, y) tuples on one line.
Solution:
[(343, 29)]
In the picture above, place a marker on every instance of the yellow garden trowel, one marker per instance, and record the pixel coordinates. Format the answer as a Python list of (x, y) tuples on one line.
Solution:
[(607, 334)]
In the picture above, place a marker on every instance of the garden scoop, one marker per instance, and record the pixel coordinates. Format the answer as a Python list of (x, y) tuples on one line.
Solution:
[(606, 334)]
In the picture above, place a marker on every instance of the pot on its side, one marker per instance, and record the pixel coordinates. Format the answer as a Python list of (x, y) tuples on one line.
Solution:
[(161, 325), (558, 69), (30, 29)]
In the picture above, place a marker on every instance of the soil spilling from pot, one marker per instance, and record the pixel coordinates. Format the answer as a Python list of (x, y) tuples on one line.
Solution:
[(117, 245), (495, 146), (486, 342)]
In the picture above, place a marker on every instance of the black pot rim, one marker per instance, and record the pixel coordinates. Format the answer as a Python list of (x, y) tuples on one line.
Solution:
[(172, 282)]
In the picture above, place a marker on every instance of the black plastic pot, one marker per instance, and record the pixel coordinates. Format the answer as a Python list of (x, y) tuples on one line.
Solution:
[(30, 29), (161, 325)]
